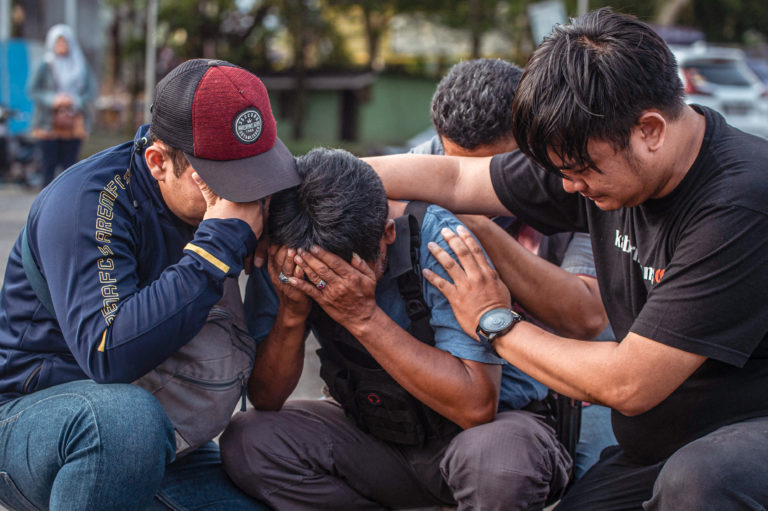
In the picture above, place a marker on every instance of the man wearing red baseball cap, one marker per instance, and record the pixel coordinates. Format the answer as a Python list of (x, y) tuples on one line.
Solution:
[(134, 245)]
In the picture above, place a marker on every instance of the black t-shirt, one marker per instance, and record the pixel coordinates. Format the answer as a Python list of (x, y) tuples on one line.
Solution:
[(689, 270)]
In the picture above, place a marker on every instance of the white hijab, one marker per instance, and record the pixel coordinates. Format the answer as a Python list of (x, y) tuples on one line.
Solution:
[(69, 71)]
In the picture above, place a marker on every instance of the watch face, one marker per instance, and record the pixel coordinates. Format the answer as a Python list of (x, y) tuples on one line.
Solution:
[(496, 320)]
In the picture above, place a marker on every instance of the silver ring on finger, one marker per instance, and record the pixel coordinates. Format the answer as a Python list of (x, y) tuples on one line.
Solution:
[(321, 285), (282, 278)]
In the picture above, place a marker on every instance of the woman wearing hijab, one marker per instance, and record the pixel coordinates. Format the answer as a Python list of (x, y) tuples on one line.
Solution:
[(61, 87)]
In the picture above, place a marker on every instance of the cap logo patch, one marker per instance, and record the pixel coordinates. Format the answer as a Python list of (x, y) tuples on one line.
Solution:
[(246, 126)]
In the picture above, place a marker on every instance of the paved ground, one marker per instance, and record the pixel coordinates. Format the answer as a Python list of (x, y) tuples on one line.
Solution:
[(14, 204)]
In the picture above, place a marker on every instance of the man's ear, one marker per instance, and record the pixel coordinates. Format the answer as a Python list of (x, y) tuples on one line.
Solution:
[(389, 232), (157, 161), (652, 129)]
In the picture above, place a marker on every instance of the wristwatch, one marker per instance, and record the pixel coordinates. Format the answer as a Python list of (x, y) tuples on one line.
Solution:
[(496, 322)]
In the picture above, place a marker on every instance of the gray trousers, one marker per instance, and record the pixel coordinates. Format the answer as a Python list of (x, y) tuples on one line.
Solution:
[(309, 455), (721, 471)]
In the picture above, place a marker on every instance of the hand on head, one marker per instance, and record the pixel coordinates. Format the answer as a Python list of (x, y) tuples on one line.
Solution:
[(476, 286), (253, 213), (346, 291), (281, 264)]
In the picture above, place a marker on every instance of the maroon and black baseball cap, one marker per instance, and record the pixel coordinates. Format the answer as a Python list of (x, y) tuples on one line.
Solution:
[(219, 115)]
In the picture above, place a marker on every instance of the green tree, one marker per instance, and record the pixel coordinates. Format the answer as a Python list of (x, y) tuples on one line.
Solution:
[(727, 20), (224, 29), (477, 16), (376, 15), (125, 62), (314, 44), (720, 20)]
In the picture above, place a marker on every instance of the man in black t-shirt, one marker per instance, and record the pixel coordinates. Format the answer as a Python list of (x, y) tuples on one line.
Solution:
[(551, 277), (674, 200)]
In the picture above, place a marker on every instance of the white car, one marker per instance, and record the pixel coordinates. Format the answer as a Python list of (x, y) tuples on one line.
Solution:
[(719, 78)]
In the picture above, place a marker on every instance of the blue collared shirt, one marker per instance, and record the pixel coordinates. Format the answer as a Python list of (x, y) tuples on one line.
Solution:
[(517, 388)]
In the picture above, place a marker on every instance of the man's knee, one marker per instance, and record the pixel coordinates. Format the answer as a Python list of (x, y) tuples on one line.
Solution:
[(299, 429), (246, 432), (130, 419), (247, 446), (723, 470), (234, 441), (90, 439), (523, 436), (514, 455), (687, 481)]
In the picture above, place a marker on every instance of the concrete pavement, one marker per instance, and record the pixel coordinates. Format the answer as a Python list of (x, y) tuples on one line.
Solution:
[(14, 205)]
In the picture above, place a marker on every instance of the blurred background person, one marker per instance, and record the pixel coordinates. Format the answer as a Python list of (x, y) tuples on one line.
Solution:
[(61, 87)]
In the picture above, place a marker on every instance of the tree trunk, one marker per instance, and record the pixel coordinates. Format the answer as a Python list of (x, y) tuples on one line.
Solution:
[(137, 84), (300, 72), (371, 33), (475, 26), (670, 11), (116, 44), (375, 24)]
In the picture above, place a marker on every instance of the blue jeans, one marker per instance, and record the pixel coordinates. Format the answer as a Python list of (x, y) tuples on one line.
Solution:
[(197, 481), (596, 434), (83, 445)]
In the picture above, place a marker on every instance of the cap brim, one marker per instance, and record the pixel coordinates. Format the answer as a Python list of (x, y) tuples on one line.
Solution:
[(249, 179)]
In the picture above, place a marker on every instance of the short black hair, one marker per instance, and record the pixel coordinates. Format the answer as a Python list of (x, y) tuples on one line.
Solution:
[(340, 205), (591, 80), (472, 105)]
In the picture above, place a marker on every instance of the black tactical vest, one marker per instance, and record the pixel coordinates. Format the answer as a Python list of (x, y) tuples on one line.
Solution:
[(377, 403)]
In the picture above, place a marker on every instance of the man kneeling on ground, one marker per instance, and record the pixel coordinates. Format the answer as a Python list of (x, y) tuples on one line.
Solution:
[(423, 414)]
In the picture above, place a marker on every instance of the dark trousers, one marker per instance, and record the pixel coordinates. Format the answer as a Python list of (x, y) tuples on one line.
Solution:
[(5, 162), (58, 153), (722, 471), (311, 456)]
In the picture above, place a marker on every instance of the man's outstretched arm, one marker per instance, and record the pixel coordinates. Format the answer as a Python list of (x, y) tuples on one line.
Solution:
[(459, 184)]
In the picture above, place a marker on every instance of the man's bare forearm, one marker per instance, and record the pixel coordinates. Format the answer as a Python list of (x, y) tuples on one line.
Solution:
[(417, 176), (279, 363), (462, 185), (632, 376), (561, 300)]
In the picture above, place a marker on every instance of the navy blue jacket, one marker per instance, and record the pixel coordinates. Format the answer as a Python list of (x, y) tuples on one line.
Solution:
[(130, 284)]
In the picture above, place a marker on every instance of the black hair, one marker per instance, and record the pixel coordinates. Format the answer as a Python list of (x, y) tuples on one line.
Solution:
[(472, 105), (180, 162), (340, 205), (591, 80)]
